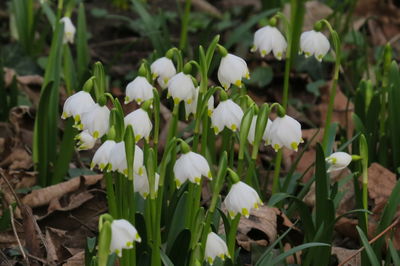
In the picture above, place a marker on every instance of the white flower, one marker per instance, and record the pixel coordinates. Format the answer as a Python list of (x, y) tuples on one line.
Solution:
[(141, 183), (252, 131), (191, 108), (241, 199), (269, 39), (164, 69), (138, 90), (215, 247), (285, 131), (231, 71), (338, 161), (140, 122), (102, 156), (77, 104), (118, 159), (227, 114), (85, 141), (314, 43), (123, 234), (181, 88), (96, 120), (191, 166), (69, 30)]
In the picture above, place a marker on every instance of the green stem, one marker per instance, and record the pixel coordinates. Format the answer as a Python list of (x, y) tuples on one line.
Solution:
[(231, 239), (336, 42), (184, 29), (112, 204), (278, 161), (173, 123)]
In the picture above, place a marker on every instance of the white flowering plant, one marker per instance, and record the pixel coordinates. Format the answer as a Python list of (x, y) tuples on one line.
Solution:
[(182, 168)]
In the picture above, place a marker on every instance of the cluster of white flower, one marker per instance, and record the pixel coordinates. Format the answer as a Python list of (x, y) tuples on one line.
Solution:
[(269, 38)]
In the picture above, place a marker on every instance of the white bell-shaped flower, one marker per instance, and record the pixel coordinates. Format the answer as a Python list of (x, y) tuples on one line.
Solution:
[(85, 141), (77, 104), (241, 199), (96, 120), (191, 166), (338, 161), (141, 183), (267, 133), (102, 156), (215, 247), (118, 159), (164, 69), (314, 43), (140, 122), (226, 114), (231, 71), (181, 88), (252, 130), (69, 30), (192, 107), (269, 39), (285, 132), (138, 90), (123, 234)]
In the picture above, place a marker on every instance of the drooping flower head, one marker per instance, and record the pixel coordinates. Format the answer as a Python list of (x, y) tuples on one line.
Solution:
[(141, 183), (252, 131), (85, 141), (314, 43), (96, 120), (139, 90), (77, 104), (231, 71), (118, 159), (164, 69), (69, 30), (269, 39), (241, 199), (285, 132), (102, 156), (192, 107), (215, 247), (123, 235), (181, 88), (226, 114), (338, 161), (140, 122), (191, 166)]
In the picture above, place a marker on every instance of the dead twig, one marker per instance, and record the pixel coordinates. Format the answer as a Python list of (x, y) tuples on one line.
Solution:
[(396, 222), (21, 248)]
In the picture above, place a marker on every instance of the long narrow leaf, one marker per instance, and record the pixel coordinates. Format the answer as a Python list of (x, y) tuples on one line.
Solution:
[(370, 252)]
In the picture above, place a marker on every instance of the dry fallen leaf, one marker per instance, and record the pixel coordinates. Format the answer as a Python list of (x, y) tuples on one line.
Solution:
[(381, 182), (43, 196), (18, 159), (344, 253)]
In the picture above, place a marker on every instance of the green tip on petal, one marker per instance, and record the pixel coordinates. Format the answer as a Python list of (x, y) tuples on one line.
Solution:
[(125, 172), (64, 115), (197, 180), (129, 244), (127, 100), (140, 171), (77, 118), (178, 183), (233, 127), (263, 53), (209, 175), (210, 260), (216, 130), (189, 101), (176, 100), (154, 75), (276, 147), (137, 138), (102, 166), (232, 214), (96, 134), (137, 237), (92, 165), (279, 55), (238, 83), (245, 212), (294, 146)]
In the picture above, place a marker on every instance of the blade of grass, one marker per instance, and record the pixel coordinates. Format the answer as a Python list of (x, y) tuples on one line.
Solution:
[(370, 252), (82, 49)]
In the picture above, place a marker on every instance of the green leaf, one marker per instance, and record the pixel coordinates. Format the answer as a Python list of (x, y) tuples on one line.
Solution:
[(370, 252), (261, 76), (165, 259), (178, 221), (292, 251), (179, 252), (82, 49), (314, 87), (394, 254), (65, 153)]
